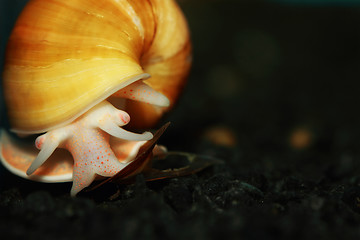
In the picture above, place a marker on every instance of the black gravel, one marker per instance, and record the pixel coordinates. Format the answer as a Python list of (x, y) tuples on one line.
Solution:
[(262, 71)]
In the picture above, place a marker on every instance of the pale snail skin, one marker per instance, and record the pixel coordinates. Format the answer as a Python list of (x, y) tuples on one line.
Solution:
[(66, 58)]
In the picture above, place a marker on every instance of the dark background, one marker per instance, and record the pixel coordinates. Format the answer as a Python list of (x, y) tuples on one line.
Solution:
[(264, 73)]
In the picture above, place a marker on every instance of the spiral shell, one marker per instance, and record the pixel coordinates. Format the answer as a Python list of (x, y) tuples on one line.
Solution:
[(64, 57)]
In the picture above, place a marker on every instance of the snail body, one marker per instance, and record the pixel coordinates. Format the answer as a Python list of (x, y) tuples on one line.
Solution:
[(67, 61)]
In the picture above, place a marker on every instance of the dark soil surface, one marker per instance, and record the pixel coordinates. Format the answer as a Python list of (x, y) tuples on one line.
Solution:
[(274, 94)]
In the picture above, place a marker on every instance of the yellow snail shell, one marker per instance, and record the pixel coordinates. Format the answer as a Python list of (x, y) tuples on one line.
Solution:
[(65, 58)]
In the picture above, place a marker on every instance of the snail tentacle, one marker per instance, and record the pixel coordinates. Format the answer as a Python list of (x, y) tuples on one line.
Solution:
[(140, 91), (109, 119), (47, 147), (116, 131)]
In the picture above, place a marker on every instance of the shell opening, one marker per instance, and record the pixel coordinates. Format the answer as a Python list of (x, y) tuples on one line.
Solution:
[(105, 95)]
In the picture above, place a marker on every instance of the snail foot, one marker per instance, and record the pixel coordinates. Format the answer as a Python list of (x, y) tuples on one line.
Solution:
[(88, 140)]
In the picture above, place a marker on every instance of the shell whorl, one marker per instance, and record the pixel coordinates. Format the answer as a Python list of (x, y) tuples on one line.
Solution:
[(63, 57)]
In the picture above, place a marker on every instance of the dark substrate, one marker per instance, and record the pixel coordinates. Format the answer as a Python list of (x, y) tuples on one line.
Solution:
[(263, 72), (269, 199)]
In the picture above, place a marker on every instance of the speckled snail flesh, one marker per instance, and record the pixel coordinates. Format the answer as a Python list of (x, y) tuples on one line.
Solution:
[(77, 70)]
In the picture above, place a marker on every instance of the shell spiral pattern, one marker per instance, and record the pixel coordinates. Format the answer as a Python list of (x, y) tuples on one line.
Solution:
[(64, 57)]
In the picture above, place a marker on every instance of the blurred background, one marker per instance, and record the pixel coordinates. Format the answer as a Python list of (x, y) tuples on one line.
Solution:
[(282, 75), (268, 76)]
